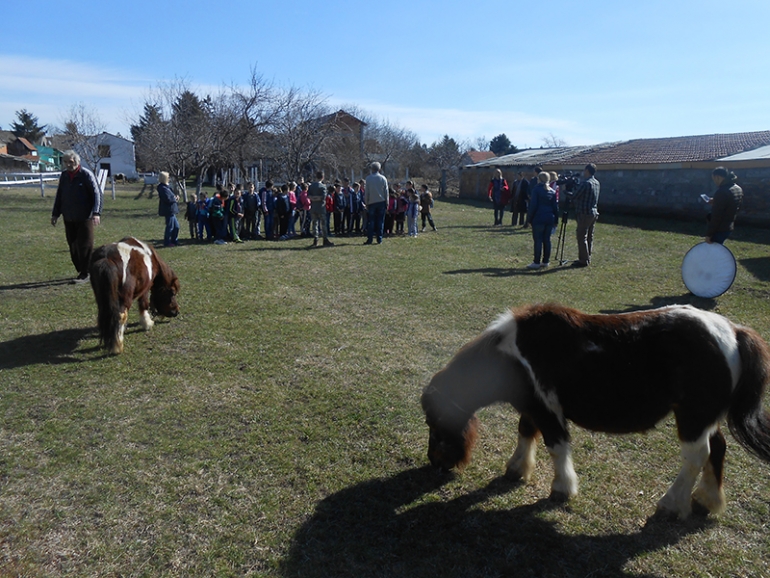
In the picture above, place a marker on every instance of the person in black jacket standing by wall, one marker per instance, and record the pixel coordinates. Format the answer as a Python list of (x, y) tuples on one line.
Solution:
[(725, 205), (79, 200)]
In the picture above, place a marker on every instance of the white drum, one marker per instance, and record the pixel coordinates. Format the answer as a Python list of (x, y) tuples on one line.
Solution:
[(708, 269)]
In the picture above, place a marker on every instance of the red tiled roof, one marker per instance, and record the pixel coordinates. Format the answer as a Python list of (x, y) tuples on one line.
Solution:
[(28, 145), (675, 150), (478, 156)]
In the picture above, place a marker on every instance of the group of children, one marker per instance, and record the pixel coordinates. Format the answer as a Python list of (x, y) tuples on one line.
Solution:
[(242, 213)]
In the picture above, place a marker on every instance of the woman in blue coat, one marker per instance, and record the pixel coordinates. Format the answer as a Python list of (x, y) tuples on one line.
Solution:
[(543, 214)]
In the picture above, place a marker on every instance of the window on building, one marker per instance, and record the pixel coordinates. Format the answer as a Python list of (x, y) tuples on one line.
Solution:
[(104, 151)]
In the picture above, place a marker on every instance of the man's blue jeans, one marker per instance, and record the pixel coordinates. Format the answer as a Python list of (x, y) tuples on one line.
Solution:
[(171, 235), (375, 222)]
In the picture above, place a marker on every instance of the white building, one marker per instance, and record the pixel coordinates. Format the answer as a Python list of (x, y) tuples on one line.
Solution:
[(107, 151)]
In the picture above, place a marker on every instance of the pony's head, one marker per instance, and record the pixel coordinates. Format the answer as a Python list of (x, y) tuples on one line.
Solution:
[(163, 293), (451, 447), (480, 374), (451, 420)]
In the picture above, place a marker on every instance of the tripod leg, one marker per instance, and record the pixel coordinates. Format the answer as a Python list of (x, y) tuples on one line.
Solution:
[(562, 236)]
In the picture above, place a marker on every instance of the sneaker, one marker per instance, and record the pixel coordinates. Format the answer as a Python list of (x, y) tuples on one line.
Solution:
[(579, 264), (545, 265), (328, 243), (423, 230), (533, 266), (220, 242)]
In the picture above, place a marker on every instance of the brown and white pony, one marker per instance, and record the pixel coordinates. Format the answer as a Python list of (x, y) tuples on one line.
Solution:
[(609, 373), (122, 272)]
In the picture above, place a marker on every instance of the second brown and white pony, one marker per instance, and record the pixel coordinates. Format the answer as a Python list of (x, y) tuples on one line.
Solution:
[(126, 271), (609, 373)]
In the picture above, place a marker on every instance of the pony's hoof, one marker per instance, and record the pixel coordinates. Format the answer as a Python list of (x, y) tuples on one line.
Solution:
[(514, 475), (699, 509), (559, 497), (666, 513)]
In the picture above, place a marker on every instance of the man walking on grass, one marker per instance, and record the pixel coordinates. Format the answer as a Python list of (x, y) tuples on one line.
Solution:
[(79, 200)]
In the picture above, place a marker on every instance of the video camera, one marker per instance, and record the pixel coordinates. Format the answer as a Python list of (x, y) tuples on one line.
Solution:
[(568, 184)]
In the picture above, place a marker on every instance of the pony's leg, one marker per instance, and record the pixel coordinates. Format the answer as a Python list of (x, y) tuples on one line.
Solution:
[(565, 481), (522, 463), (144, 313), (556, 437), (123, 321), (677, 499), (709, 493)]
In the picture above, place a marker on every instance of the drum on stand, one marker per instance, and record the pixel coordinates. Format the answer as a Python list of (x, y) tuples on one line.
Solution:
[(708, 269)]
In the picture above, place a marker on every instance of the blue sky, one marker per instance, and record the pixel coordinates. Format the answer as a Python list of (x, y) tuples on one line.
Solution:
[(586, 72)]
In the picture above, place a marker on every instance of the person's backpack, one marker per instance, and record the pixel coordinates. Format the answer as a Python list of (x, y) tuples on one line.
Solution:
[(217, 212)]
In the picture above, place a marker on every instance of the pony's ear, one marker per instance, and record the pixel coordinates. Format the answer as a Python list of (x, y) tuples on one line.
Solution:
[(470, 435)]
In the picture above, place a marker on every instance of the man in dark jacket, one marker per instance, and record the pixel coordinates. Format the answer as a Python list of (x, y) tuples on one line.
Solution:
[(725, 204), (79, 200), (586, 201)]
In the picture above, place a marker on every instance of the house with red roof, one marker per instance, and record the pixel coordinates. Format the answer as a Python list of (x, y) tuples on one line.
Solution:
[(473, 157)]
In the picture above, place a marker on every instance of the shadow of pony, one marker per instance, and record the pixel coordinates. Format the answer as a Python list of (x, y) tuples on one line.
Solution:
[(51, 348), (376, 529)]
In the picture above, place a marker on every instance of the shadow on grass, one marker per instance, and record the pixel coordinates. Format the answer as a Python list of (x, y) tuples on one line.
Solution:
[(759, 267), (51, 348), (37, 284), (510, 271), (371, 529), (687, 299)]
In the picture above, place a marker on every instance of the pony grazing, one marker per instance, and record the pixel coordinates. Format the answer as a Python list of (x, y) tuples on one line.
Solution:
[(122, 272), (608, 373)]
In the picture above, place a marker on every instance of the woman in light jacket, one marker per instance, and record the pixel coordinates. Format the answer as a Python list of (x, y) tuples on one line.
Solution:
[(168, 208)]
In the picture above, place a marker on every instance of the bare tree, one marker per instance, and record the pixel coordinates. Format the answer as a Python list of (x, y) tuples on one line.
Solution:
[(244, 116), (179, 137), (83, 130), (389, 142), (553, 141), (481, 144), (300, 128), (444, 158)]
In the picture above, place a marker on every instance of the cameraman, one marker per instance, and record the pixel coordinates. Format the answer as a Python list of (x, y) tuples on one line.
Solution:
[(585, 201)]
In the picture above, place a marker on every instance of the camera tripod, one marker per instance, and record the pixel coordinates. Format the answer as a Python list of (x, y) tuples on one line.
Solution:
[(559, 254)]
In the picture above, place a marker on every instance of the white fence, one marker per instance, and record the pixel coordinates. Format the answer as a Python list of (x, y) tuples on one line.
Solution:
[(15, 180), (19, 180)]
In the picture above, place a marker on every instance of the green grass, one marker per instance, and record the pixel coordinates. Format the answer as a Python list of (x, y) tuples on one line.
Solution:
[(274, 427)]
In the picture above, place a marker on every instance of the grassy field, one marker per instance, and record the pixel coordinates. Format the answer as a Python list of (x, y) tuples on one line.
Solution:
[(274, 427)]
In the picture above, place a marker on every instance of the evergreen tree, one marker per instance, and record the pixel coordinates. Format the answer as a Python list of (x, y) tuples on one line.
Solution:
[(150, 117), (501, 145), (27, 127)]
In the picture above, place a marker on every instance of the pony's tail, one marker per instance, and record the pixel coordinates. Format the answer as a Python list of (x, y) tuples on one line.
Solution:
[(104, 282), (747, 419)]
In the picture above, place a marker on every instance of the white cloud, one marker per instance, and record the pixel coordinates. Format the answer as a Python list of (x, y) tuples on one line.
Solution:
[(49, 87)]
